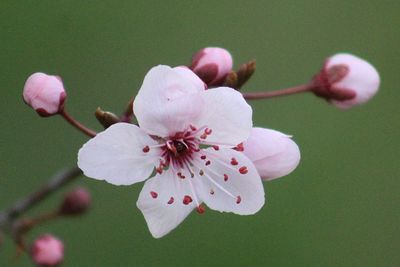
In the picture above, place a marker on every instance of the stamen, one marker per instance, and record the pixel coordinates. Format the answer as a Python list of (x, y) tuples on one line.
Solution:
[(239, 147), (243, 170), (208, 162), (225, 177), (201, 209), (146, 149), (238, 200), (215, 147), (170, 201), (153, 194), (234, 162), (187, 200)]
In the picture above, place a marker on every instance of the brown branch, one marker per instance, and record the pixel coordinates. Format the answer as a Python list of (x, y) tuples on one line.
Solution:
[(282, 92), (8, 216)]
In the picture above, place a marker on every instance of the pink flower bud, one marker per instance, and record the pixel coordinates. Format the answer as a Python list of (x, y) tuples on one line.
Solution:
[(346, 81), (44, 93), (47, 251), (76, 202), (273, 153), (212, 64)]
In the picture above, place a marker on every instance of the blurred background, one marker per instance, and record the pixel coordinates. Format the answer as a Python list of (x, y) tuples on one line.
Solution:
[(339, 208)]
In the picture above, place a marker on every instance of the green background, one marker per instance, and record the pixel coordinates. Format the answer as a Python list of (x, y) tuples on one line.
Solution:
[(339, 208)]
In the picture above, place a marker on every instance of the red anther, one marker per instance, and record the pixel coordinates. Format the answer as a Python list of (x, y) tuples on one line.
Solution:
[(193, 128), (243, 170), (187, 200), (153, 194), (203, 157), (208, 162), (215, 147), (170, 201), (187, 134), (201, 209), (180, 175), (208, 131), (234, 162), (238, 199), (225, 177), (212, 192), (146, 149), (203, 136), (239, 147)]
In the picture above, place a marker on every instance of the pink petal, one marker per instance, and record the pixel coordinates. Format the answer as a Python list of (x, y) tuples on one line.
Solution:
[(363, 79), (227, 115), (168, 101), (119, 155), (229, 183), (273, 153), (164, 202)]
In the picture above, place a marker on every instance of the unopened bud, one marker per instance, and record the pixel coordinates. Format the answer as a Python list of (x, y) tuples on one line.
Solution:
[(273, 153), (212, 64), (346, 81), (44, 93), (76, 202), (47, 251), (106, 118)]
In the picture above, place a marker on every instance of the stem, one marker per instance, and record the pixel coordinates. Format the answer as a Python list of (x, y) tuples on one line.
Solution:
[(282, 92), (57, 181), (77, 124), (128, 113)]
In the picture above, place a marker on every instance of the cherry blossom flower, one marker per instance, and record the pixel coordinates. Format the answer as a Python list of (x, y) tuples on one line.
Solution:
[(44, 93), (273, 153), (347, 80), (47, 250), (186, 134), (212, 64)]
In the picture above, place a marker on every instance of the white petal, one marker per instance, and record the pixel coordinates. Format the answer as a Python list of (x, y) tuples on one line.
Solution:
[(116, 155), (190, 75), (161, 202), (168, 101), (227, 114), (224, 188)]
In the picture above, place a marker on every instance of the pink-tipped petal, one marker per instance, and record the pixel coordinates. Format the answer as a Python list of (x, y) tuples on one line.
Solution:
[(121, 155), (273, 153), (44, 93)]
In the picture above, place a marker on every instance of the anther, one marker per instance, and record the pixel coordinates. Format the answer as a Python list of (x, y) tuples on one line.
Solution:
[(146, 149), (187, 200), (170, 201), (239, 147), (212, 192), (203, 157), (201, 209), (234, 161), (207, 131), (225, 177), (208, 162), (238, 199), (201, 172), (215, 147), (243, 170), (153, 194)]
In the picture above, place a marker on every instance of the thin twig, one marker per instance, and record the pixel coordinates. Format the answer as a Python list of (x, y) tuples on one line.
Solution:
[(8, 216), (282, 92)]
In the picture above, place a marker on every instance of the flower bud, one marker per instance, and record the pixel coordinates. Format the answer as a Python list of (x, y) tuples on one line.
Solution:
[(76, 202), (273, 153), (47, 251), (44, 93), (346, 81), (212, 64)]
